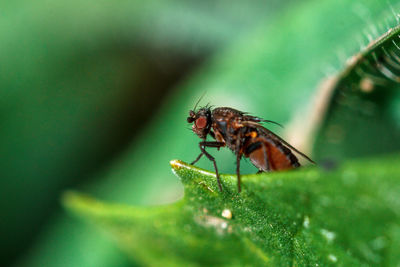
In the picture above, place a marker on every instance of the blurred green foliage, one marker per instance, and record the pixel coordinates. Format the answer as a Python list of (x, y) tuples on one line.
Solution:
[(362, 116), (80, 80)]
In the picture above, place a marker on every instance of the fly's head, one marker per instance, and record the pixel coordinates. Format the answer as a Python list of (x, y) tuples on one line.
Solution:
[(201, 121)]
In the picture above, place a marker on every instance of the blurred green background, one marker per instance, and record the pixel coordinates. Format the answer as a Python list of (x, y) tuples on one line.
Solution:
[(94, 96)]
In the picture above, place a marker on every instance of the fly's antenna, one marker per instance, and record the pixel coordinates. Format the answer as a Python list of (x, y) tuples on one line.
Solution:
[(198, 101)]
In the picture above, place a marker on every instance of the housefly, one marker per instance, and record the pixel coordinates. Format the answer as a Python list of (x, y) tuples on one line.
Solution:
[(245, 136)]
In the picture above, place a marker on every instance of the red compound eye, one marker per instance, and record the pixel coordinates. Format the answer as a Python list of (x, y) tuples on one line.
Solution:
[(201, 122)]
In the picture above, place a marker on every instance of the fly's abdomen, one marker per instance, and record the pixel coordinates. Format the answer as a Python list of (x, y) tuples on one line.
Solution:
[(269, 155)]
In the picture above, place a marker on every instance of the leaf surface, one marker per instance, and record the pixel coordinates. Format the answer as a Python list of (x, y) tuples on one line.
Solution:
[(305, 217)]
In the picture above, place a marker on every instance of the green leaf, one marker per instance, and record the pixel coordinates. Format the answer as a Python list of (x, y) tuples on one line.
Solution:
[(364, 103), (349, 216)]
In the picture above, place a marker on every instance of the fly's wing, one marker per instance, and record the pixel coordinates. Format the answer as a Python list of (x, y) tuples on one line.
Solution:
[(270, 134)]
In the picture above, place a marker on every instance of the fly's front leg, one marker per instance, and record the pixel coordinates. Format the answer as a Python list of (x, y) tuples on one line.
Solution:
[(218, 145), (202, 146), (197, 159)]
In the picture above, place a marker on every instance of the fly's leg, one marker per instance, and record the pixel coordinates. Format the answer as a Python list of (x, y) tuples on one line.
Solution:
[(197, 159), (238, 171), (202, 146), (215, 167), (239, 144), (218, 145)]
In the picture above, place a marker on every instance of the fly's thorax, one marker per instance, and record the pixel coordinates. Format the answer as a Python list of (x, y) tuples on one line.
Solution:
[(226, 112), (224, 129)]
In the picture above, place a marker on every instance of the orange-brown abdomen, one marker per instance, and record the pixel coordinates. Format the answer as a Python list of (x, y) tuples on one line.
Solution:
[(270, 155)]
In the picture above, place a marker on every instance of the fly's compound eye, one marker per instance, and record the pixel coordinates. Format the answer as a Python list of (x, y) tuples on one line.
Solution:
[(201, 122)]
